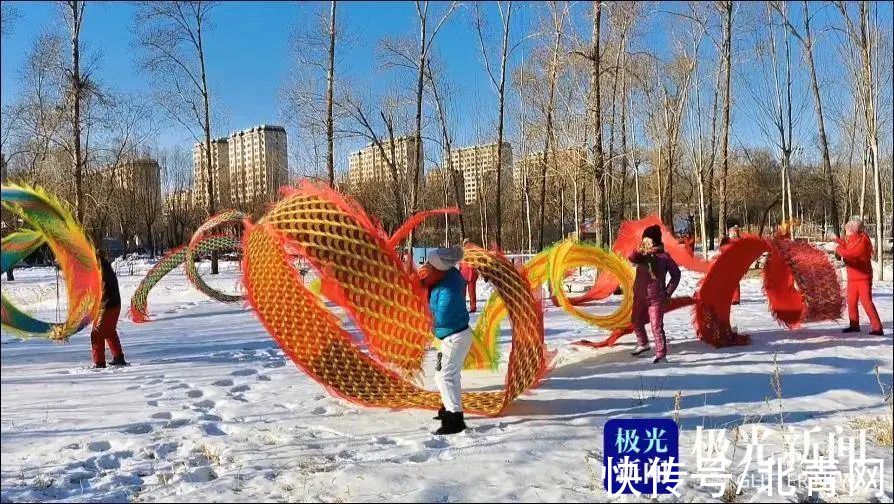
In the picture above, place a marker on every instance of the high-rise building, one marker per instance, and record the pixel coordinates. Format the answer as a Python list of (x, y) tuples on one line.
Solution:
[(477, 163), (529, 167), (368, 164), (220, 157), (258, 165), (137, 181), (140, 174)]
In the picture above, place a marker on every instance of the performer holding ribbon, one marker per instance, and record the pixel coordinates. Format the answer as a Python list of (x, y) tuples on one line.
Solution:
[(447, 300), (653, 264)]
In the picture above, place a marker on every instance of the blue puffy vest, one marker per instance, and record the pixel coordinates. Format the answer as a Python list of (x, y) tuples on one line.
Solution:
[(448, 304)]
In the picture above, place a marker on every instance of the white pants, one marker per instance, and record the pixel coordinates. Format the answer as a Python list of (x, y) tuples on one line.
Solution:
[(451, 358)]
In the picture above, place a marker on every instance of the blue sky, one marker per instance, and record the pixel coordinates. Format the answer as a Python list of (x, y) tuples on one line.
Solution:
[(249, 55), (248, 51)]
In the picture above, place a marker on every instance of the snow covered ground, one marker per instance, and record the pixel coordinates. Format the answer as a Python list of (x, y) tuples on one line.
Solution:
[(210, 409)]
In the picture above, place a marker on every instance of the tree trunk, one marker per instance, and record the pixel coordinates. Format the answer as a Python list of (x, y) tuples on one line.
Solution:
[(456, 178), (548, 147), (330, 84), (864, 166), (831, 193), (596, 125), (207, 131), (499, 216), (727, 60), (624, 161), (76, 88), (636, 188), (417, 168)]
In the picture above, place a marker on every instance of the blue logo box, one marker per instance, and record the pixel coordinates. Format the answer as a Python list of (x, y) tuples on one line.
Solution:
[(641, 456)]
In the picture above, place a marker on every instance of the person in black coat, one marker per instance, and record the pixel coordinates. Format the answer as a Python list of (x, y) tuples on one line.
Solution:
[(105, 330)]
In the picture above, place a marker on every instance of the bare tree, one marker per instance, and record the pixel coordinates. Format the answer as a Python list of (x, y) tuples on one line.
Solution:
[(862, 32), (726, 7), (418, 61), (73, 13), (171, 34), (364, 122), (330, 85), (310, 92), (778, 117), (180, 214), (453, 177), (807, 41), (498, 81), (558, 17), (9, 14)]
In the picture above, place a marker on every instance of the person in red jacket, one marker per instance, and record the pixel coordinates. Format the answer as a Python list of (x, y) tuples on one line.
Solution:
[(470, 274), (689, 242), (856, 252), (732, 234)]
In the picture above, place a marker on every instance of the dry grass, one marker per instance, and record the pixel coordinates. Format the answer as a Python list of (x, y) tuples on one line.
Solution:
[(678, 405), (879, 429)]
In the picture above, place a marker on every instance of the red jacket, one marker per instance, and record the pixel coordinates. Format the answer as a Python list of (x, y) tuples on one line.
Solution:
[(689, 243), (430, 276), (856, 252), (468, 272)]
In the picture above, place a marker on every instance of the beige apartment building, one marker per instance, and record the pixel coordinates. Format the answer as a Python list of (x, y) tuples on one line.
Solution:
[(368, 164), (477, 163), (220, 168), (139, 179), (258, 164)]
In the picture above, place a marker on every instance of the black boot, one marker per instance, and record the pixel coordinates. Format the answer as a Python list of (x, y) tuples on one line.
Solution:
[(451, 423), (441, 412), (119, 361), (877, 333), (99, 365), (851, 329)]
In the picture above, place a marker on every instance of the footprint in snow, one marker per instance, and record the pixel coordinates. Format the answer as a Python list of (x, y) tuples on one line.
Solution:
[(436, 443), (244, 372), (212, 429), (176, 424), (99, 446), (206, 404), (138, 428)]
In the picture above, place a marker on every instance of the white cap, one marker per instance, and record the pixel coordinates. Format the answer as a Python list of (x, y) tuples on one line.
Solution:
[(445, 258)]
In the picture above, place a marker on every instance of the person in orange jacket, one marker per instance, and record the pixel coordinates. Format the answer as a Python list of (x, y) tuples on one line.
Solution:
[(856, 252), (732, 235)]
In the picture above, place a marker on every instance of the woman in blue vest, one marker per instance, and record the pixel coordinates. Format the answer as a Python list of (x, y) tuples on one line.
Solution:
[(447, 301)]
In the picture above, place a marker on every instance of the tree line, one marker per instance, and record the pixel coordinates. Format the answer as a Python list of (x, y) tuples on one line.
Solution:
[(720, 110)]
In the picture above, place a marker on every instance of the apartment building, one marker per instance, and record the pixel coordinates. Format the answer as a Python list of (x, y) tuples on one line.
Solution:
[(368, 164), (478, 165)]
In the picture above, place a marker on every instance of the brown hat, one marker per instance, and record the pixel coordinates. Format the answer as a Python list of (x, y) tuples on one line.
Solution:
[(653, 232)]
